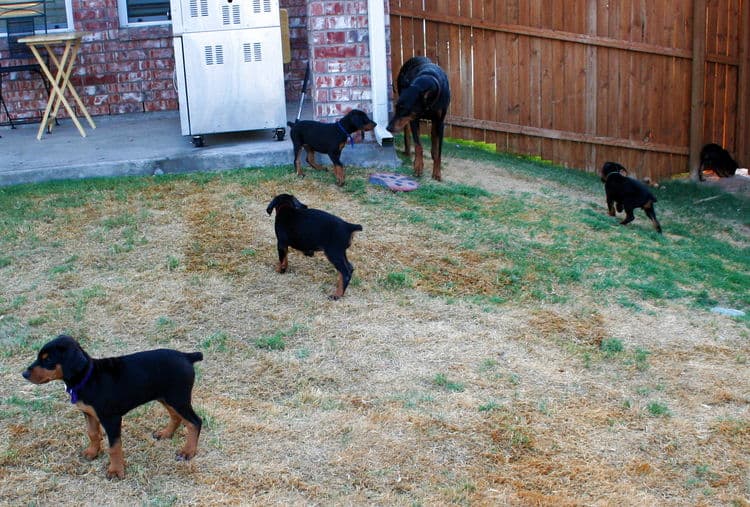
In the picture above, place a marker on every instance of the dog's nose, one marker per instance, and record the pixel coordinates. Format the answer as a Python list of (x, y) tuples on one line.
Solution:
[(26, 374)]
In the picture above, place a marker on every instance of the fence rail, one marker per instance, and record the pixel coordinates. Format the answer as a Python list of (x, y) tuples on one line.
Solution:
[(581, 82)]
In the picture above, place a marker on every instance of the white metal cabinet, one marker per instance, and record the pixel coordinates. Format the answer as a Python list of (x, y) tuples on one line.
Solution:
[(228, 65), (206, 15)]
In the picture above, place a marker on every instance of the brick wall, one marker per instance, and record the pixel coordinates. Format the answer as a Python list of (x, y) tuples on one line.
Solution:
[(339, 57), (126, 70)]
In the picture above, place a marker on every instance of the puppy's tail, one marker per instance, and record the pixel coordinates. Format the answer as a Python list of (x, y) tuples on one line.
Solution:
[(355, 227), (194, 357), (290, 124)]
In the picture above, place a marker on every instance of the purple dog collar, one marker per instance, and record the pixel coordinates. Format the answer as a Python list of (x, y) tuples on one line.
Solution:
[(73, 391), (351, 139)]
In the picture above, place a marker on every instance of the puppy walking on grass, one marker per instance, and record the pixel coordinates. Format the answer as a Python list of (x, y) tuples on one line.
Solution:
[(626, 193), (328, 138), (311, 230)]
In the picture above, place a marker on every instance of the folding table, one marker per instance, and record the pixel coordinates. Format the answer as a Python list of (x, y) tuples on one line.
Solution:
[(70, 42)]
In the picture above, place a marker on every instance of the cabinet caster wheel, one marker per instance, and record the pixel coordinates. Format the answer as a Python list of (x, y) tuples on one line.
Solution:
[(198, 141), (279, 134)]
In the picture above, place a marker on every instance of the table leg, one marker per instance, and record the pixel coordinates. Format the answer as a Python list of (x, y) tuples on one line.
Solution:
[(81, 106), (58, 83), (64, 69)]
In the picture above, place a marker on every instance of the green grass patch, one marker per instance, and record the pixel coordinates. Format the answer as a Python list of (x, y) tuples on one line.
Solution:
[(442, 381), (276, 340), (611, 347), (657, 409), (16, 405), (217, 342), (398, 280)]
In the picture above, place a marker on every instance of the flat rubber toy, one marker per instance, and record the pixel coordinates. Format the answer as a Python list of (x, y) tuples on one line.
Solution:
[(395, 182)]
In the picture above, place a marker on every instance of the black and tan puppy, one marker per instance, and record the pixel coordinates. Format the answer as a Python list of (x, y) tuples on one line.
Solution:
[(309, 231), (423, 94), (328, 138), (106, 389), (718, 160), (626, 193)]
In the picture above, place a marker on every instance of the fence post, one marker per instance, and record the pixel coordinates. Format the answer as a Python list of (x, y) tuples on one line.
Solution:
[(742, 136), (592, 83), (697, 104)]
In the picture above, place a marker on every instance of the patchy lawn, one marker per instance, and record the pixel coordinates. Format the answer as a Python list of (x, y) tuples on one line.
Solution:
[(504, 341)]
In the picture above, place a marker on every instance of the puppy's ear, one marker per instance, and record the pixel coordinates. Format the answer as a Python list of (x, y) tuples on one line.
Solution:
[(74, 359), (298, 205), (272, 205), (358, 122)]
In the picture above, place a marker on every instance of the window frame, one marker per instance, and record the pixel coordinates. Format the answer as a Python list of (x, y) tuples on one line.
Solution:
[(68, 21), (122, 10)]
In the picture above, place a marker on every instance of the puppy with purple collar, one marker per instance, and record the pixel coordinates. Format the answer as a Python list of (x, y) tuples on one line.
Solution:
[(106, 389)]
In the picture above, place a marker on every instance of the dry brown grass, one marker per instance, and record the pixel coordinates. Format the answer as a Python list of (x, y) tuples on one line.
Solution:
[(349, 413)]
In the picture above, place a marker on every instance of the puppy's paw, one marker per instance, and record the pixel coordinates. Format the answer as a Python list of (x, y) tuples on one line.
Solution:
[(115, 472), (334, 297), (90, 452), (161, 434), (184, 455)]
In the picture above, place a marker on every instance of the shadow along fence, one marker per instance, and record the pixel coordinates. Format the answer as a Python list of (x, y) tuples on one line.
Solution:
[(579, 82)]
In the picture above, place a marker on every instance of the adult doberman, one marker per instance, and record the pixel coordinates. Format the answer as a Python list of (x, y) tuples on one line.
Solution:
[(423, 94)]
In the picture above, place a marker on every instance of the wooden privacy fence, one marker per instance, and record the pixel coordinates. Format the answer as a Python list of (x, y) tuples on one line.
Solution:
[(579, 82)]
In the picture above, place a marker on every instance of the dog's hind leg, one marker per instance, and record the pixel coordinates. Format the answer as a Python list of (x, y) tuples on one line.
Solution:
[(311, 159), (283, 259), (193, 424), (437, 148), (651, 214), (629, 217), (345, 269), (171, 427)]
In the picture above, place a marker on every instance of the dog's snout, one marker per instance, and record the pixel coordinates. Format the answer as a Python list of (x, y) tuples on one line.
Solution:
[(26, 374)]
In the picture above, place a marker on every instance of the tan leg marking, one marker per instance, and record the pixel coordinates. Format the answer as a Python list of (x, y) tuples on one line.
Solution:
[(312, 162), (171, 427), (418, 161), (191, 442), (94, 431), (116, 462)]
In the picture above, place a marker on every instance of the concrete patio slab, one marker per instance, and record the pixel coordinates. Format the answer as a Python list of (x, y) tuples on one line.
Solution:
[(150, 143)]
